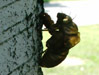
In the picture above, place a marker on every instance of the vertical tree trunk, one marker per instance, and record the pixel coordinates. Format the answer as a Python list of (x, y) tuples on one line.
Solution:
[(20, 37)]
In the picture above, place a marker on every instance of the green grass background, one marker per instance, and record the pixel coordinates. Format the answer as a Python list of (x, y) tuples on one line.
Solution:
[(87, 50), (63, 0)]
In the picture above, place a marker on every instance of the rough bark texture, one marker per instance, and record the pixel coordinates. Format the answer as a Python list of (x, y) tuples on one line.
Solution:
[(20, 37)]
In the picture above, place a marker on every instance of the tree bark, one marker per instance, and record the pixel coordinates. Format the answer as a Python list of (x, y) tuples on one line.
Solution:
[(20, 37)]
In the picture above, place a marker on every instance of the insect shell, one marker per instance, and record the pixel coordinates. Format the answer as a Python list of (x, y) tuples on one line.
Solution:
[(65, 35)]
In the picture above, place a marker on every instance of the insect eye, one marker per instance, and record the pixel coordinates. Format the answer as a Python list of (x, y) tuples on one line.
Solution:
[(65, 20), (57, 29)]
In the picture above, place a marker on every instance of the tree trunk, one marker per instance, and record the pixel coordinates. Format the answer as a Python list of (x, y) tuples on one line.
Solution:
[(20, 37)]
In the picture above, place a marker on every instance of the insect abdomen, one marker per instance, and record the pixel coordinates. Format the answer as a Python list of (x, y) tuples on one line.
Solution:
[(51, 59)]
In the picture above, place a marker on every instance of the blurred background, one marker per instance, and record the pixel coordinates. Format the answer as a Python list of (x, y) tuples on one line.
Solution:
[(83, 59)]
